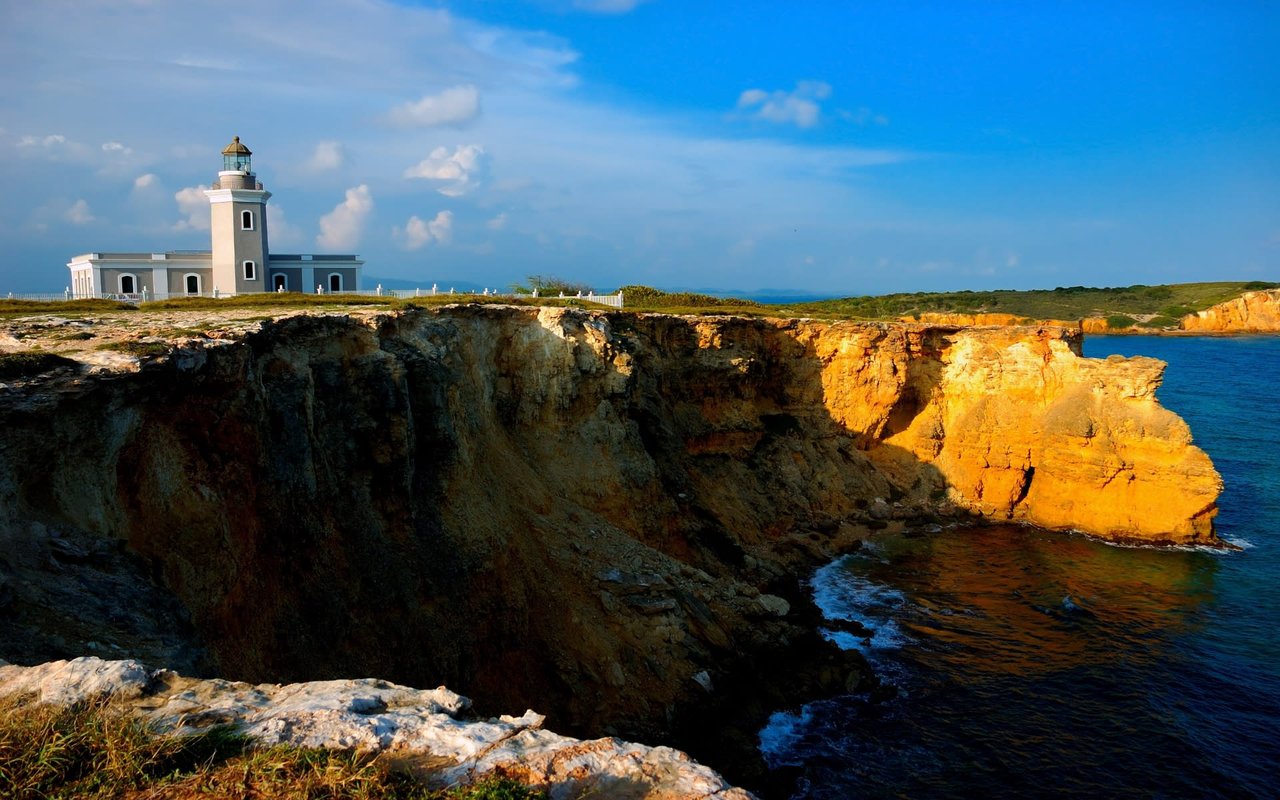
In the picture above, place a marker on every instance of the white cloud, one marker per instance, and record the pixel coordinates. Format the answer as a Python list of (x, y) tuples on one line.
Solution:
[(42, 142), (327, 156), (798, 107), (115, 148), (453, 106), (418, 232), (456, 171), (55, 147), (340, 229), (147, 181), (497, 223), (626, 191), (79, 213), (194, 206)]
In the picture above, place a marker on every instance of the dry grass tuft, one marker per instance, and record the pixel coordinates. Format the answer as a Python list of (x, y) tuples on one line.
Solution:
[(94, 750)]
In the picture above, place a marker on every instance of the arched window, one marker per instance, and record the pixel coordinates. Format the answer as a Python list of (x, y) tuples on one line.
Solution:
[(280, 282), (250, 271), (335, 281), (128, 284), (191, 283), (246, 220)]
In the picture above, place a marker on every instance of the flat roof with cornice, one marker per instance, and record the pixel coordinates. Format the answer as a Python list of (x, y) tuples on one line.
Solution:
[(206, 255)]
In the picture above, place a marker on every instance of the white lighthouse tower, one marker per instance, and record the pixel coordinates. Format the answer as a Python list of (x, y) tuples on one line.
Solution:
[(238, 205)]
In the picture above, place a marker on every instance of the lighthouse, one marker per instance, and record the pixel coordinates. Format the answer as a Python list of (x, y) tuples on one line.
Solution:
[(239, 261), (238, 222)]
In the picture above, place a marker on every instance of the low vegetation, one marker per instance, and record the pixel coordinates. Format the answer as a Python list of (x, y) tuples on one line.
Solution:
[(549, 285), (1144, 306), (95, 751), (63, 308), (136, 348), (1066, 303), (646, 298)]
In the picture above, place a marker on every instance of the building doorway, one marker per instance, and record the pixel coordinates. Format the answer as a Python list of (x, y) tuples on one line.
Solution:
[(192, 284), (128, 284), (280, 283), (335, 282)]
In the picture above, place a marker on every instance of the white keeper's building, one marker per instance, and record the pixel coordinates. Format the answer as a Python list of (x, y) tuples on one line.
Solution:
[(238, 263)]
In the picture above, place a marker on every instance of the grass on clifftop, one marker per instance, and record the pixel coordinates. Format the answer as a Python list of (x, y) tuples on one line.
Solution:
[(1170, 301), (77, 308), (1148, 306), (94, 751)]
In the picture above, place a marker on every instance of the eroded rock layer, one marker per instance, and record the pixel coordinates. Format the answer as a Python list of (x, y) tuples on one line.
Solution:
[(604, 515), (1251, 312)]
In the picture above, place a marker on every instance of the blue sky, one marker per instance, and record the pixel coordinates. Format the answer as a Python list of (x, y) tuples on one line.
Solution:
[(825, 147)]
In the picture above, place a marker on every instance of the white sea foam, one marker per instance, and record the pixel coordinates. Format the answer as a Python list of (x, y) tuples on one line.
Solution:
[(1234, 544), (886, 635), (780, 734), (844, 595)]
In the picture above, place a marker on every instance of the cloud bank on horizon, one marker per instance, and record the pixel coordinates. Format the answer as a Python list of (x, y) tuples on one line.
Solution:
[(821, 149)]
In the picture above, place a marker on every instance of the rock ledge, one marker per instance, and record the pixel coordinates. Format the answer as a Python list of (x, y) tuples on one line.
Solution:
[(370, 714)]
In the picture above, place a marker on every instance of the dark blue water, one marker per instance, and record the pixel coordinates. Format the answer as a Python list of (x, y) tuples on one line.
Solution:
[(1038, 664)]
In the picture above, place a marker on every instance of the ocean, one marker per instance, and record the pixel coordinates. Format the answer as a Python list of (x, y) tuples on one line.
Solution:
[(1037, 664)]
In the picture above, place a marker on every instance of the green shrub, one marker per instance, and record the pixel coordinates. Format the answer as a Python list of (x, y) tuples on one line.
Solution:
[(1160, 321), (550, 285), (649, 297), (135, 348), (1120, 322)]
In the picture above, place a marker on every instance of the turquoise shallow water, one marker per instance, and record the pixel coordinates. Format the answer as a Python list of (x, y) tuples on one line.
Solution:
[(1037, 664)]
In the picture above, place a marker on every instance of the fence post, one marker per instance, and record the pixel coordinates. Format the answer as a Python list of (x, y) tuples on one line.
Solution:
[(215, 293), (67, 293), (379, 290)]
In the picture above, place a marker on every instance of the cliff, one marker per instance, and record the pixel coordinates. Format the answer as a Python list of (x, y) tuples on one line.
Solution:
[(415, 726), (607, 516), (1251, 312), (984, 320)]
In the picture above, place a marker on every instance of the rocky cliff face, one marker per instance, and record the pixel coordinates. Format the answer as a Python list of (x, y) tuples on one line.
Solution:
[(604, 515), (985, 320), (1251, 312)]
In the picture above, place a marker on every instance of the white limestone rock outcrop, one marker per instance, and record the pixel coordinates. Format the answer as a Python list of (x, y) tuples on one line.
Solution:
[(375, 715)]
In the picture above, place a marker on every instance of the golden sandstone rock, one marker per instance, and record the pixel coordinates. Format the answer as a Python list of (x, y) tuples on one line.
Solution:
[(985, 320), (1019, 426), (1251, 312)]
